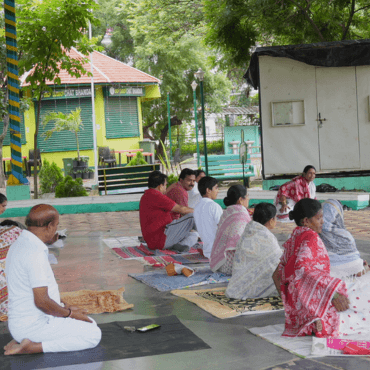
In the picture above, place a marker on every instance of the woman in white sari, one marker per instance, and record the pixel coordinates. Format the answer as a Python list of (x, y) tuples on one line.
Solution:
[(256, 257), (344, 256)]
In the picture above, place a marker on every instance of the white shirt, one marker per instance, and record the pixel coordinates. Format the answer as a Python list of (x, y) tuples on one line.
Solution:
[(27, 267), (194, 196), (207, 214), (312, 188)]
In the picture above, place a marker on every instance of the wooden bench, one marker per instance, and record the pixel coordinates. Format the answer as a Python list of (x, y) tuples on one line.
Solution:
[(228, 167), (122, 180)]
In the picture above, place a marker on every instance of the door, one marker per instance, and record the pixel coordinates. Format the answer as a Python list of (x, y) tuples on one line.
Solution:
[(337, 109)]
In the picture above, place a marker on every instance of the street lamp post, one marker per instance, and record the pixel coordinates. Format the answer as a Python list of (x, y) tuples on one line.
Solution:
[(200, 75), (194, 87), (169, 123)]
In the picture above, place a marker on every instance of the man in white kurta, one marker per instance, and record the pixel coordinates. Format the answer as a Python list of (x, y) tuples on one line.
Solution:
[(207, 213), (38, 322), (194, 195)]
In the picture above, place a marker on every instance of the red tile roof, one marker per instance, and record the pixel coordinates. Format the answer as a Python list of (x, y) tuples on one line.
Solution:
[(106, 70)]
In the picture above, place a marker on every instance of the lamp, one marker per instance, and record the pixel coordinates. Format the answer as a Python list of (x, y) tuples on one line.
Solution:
[(200, 75), (194, 87)]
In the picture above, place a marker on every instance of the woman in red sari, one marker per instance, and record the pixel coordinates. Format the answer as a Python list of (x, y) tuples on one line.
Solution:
[(312, 298), (293, 191)]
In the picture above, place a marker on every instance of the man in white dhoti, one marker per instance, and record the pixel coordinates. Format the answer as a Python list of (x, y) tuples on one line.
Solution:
[(38, 321)]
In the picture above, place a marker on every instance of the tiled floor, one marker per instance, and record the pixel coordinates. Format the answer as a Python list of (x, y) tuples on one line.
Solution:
[(87, 263)]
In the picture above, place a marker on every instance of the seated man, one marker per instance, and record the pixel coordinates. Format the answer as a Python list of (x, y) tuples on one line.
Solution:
[(178, 192), (37, 320), (194, 195), (207, 213), (159, 231)]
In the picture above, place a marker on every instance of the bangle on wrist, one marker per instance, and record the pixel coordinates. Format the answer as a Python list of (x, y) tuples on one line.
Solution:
[(70, 313)]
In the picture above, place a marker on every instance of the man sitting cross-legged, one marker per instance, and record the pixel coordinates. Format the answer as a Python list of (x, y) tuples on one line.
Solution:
[(178, 192), (159, 231), (207, 213), (37, 320)]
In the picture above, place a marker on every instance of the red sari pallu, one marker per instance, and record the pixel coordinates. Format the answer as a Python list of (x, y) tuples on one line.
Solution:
[(306, 285), (295, 189)]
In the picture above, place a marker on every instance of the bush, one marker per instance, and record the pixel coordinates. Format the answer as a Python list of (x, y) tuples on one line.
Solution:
[(213, 147), (70, 188), (137, 160), (172, 179), (50, 176)]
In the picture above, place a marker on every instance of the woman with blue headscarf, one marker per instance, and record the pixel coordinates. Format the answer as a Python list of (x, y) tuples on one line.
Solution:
[(344, 256)]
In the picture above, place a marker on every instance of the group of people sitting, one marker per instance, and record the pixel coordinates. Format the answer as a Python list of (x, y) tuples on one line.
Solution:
[(318, 273)]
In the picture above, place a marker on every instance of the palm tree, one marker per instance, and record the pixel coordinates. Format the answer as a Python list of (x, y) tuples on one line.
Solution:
[(62, 122)]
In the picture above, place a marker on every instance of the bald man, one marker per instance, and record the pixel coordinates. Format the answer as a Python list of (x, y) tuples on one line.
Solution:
[(38, 321)]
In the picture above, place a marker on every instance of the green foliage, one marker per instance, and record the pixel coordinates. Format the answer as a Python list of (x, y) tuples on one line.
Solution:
[(171, 179), (164, 39), (70, 188), (213, 147), (137, 160), (65, 122), (235, 27), (50, 176)]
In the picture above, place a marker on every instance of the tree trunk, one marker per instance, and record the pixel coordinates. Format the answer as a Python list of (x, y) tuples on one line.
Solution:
[(78, 149), (35, 184)]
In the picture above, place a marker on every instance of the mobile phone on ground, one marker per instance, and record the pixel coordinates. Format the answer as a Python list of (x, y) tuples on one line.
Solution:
[(148, 327)]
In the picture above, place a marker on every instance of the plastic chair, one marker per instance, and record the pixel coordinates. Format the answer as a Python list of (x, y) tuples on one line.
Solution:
[(31, 160), (107, 156)]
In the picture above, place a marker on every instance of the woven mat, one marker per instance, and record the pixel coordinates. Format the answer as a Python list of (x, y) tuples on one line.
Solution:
[(97, 301), (217, 304), (130, 248)]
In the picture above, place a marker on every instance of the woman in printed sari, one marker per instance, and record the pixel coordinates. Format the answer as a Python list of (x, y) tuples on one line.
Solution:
[(314, 301), (231, 226), (293, 191), (256, 257), (344, 256), (8, 235)]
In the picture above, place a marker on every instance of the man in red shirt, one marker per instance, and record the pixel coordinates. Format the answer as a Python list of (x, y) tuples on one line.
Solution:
[(178, 192), (159, 231)]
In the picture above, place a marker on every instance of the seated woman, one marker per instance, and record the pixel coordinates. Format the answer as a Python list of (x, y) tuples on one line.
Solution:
[(256, 257), (8, 235), (344, 257), (293, 191), (314, 301), (231, 226)]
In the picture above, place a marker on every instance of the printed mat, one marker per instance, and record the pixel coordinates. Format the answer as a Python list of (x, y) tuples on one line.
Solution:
[(164, 283), (130, 248), (116, 344), (304, 347), (217, 304), (97, 301)]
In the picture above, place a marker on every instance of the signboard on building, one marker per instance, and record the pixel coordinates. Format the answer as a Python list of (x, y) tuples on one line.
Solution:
[(68, 93), (125, 91)]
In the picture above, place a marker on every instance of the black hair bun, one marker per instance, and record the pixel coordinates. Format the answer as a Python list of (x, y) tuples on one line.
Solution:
[(291, 215), (227, 201)]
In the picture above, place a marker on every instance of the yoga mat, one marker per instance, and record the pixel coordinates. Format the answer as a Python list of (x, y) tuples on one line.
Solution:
[(162, 282), (131, 248), (217, 304), (299, 346), (117, 344)]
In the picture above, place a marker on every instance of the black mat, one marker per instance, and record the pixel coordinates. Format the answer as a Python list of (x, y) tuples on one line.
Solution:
[(116, 344)]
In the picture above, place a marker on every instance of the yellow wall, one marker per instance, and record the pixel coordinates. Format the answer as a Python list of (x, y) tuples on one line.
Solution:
[(116, 144)]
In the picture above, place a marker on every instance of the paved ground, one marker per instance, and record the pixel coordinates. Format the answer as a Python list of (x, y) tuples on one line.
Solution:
[(87, 263)]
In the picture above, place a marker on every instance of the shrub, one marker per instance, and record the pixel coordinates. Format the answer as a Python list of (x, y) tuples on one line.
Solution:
[(213, 147), (137, 160), (70, 188), (50, 176), (172, 178)]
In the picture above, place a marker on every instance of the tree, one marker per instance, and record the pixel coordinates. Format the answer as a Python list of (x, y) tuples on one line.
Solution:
[(235, 27), (167, 45), (62, 122), (47, 31)]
